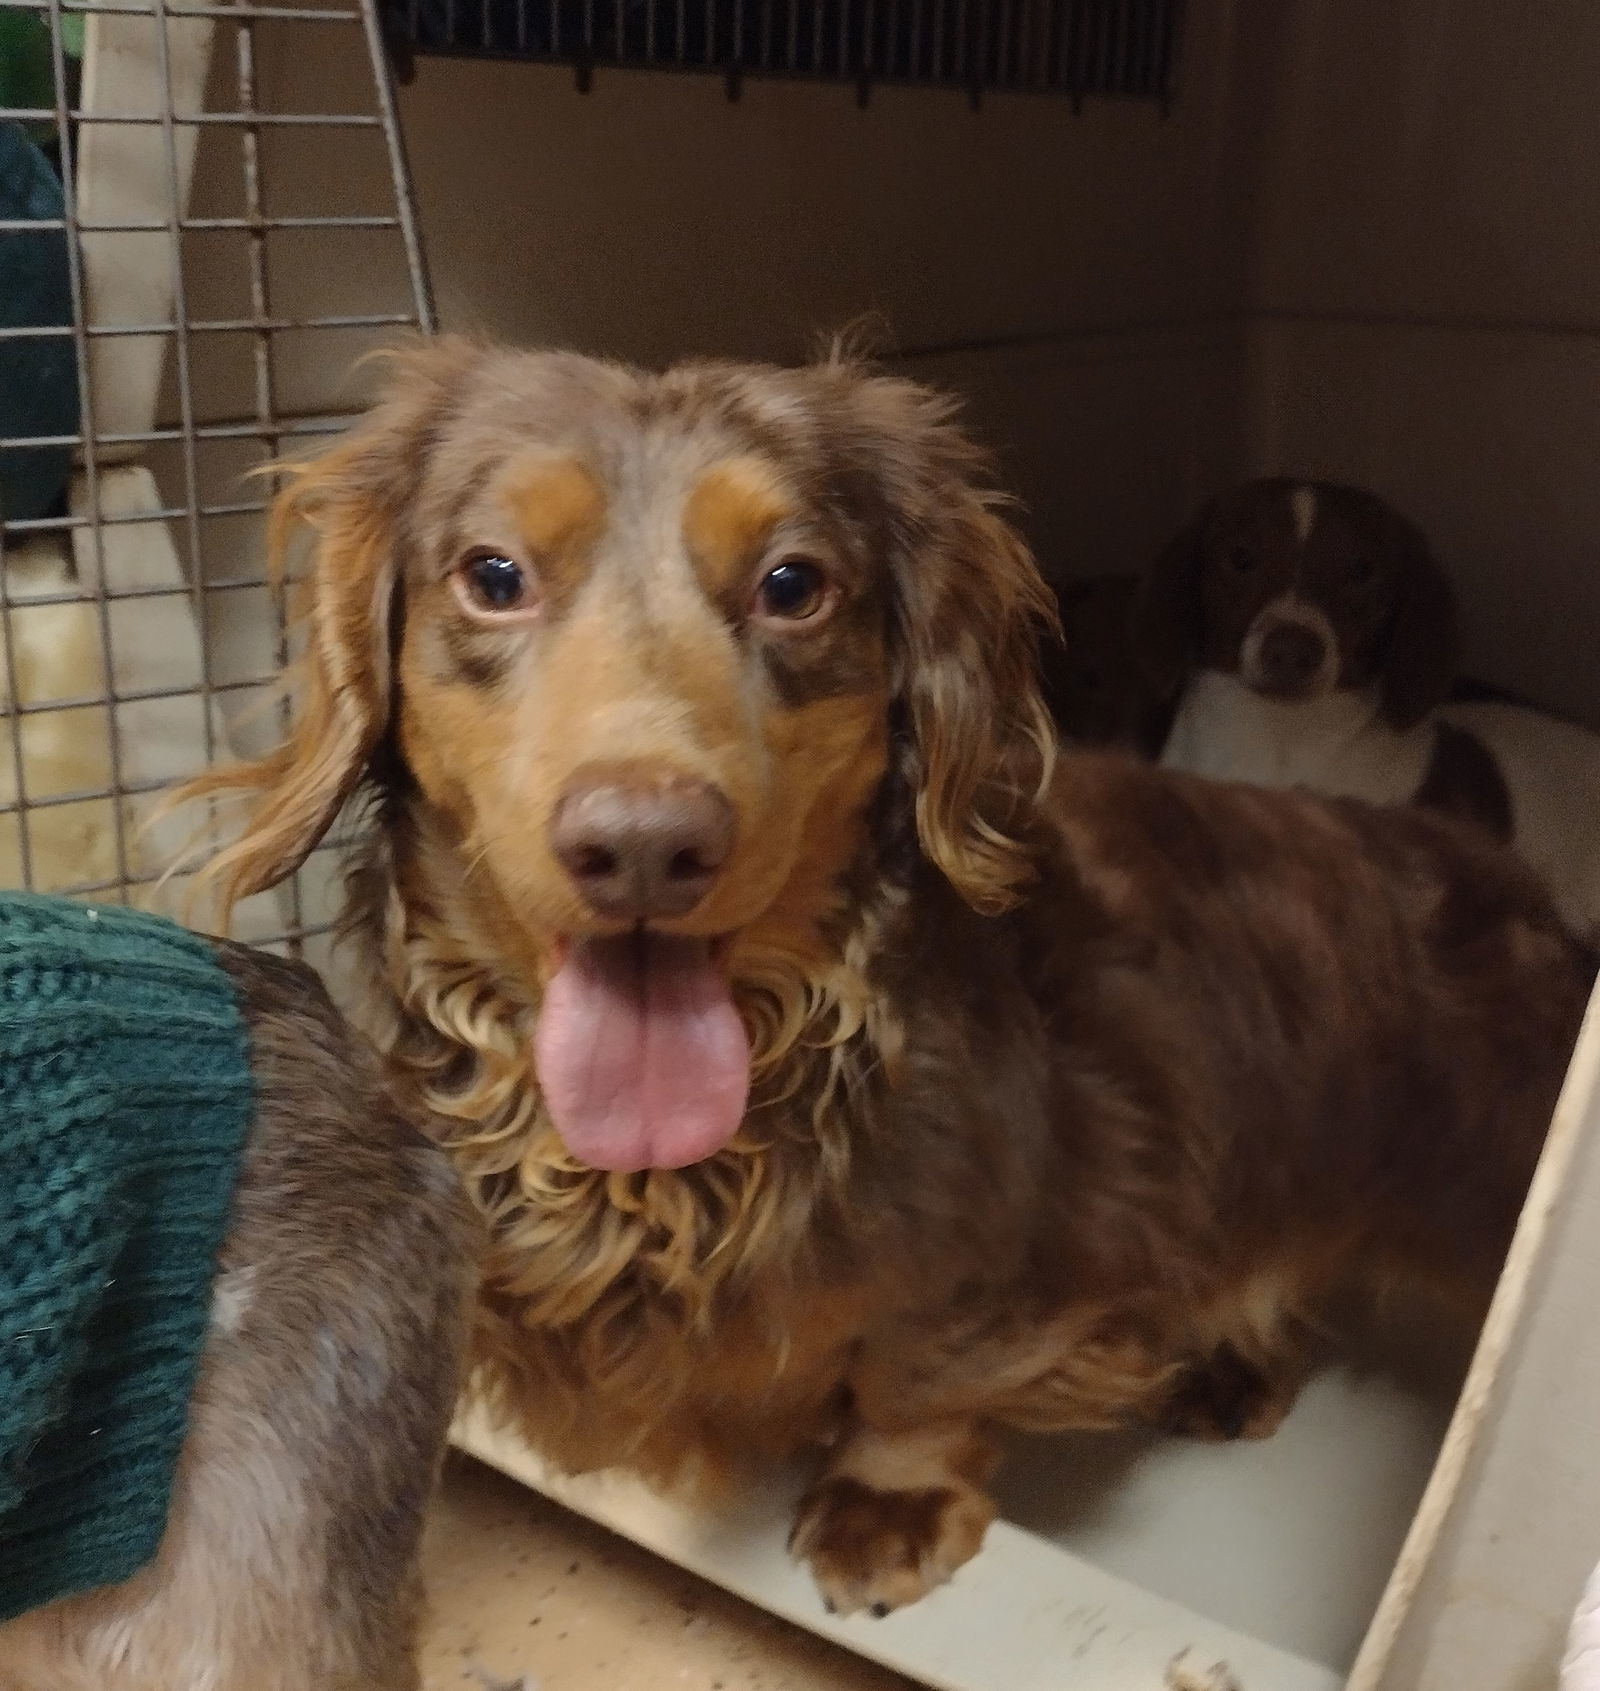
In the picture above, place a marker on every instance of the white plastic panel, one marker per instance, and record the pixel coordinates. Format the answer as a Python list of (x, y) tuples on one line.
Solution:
[(1116, 1558)]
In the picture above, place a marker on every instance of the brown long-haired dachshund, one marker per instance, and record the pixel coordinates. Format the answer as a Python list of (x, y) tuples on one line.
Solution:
[(835, 1066)]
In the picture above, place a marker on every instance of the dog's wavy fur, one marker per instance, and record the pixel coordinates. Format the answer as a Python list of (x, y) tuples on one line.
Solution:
[(1077, 1087), (569, 1240)]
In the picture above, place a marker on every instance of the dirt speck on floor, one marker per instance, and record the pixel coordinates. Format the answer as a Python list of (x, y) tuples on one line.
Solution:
[(1186, 1674), (533, 1598)]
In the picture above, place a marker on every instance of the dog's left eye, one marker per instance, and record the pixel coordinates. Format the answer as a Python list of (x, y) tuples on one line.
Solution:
[(794, 590), (492, 583)]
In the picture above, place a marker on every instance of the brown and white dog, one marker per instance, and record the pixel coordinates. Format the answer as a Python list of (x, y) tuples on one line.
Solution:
[(335, 1352), (1315, 640), (835, 1067)]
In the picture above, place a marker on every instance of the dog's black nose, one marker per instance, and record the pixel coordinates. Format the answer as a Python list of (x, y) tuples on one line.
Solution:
[(641, 846), (1291, 656)]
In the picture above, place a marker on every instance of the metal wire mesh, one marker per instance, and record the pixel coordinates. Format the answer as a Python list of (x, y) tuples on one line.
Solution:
[(181, 262), (1125, 48)]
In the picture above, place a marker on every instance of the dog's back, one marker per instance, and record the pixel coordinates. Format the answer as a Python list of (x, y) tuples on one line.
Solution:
[(332, 1358), (1373, 1008), (1551, 771)]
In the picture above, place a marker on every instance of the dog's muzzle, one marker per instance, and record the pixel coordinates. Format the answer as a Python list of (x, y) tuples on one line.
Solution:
[(1290, 653)]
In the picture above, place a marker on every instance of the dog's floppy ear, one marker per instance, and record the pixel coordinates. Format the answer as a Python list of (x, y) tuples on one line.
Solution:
[(1422, 645), (1166, 620), (975, 744), (349, 499), (981, 741)]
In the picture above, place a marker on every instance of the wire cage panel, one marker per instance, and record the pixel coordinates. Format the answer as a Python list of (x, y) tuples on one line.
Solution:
[(183, 259), (1124, 48)]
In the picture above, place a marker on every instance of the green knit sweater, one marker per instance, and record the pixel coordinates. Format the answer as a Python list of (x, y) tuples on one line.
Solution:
[(125, 1097)]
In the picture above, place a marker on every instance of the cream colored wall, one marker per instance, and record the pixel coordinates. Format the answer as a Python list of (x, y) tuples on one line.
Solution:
[(1072, 269), (1109, 439), (1425, 299), (653, 218), (1364, 244), (1074, 276)]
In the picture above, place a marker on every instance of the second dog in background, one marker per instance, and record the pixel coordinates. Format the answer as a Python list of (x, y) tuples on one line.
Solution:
[(1314, 641)]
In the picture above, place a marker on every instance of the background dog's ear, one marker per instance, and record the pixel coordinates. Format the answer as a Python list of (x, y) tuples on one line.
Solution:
[(1422, 646), (349, 499), (1168, 610), (975, 744)]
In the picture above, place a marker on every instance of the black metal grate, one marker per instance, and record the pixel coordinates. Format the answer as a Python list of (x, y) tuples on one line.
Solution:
[(1125, 48)]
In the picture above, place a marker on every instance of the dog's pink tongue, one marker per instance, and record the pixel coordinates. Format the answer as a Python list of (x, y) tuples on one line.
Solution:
[(642, 1058)]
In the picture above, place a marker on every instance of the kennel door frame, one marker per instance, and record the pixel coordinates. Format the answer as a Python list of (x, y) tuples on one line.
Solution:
[(1014, 1616), (1508, 1530)]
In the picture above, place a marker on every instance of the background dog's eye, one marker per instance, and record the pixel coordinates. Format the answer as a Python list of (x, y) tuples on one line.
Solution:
[(493, 582), (1242, 559), (1361, 571), (793, 591)]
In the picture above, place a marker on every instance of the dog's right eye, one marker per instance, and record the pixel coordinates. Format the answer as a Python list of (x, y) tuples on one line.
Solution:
[(1242, 559), (492, 584), (795, 591)]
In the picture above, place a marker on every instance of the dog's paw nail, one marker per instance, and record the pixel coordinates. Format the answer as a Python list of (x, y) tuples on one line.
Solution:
[(880, 1611)]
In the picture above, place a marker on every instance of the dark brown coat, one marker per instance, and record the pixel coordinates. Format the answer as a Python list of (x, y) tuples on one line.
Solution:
[(1076, 1089)]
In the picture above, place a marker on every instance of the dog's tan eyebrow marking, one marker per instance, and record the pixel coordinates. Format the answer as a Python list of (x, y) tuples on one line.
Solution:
[(560, 509), (729, 515)]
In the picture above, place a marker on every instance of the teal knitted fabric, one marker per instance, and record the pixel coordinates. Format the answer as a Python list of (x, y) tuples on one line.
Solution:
[(125, 1097)]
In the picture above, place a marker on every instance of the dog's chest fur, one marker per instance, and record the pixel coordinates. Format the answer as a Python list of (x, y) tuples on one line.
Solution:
[(1336, 744)]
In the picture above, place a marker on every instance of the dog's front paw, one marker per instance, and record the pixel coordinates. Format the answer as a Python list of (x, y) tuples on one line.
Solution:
[(880, 1550), (1223, 1397)]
